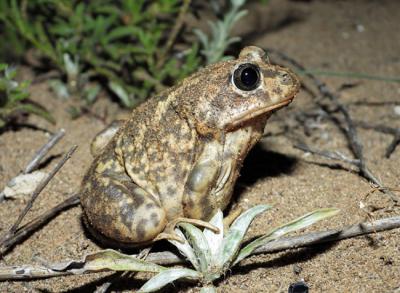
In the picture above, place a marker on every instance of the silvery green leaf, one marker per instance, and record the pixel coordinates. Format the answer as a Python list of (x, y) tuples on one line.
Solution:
[(90, 93), (10, 72), (299, 223), (238, 16), (233, 40), (114, 260), (214, 240), (108, 260), (233, 239), (238, 3), (71, 67), (186, 249), (201, 36), (199, 243), (59, 88), (168, 276), (121, 93)]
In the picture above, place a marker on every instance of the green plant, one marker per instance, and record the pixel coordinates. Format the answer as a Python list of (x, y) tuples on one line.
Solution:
[(212, 254), (215, 46), (117, 43), (13, 97), (132, 48)]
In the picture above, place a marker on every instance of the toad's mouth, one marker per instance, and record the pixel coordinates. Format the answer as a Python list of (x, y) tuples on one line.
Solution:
[(250, 115)]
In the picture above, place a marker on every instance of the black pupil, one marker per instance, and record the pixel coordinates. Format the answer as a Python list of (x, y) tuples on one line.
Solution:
[(249, 76)]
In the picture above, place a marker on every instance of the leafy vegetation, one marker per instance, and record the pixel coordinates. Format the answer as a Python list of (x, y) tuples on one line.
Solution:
[(133, 48), (13, 97), (214, 46)]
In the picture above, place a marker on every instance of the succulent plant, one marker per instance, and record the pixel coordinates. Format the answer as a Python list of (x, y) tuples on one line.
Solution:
[(213, 254), (13, 97)]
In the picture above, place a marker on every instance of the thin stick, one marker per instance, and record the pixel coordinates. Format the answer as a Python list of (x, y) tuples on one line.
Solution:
[(38, 222), (327, 154), (330, 235), (27, 272), (35, 194), (384, 129), (39, 155), (392, 146), (34, 163)]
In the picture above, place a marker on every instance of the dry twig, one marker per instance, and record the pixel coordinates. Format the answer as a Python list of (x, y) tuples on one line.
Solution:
[(327, 154), (174, 33), (395, 132), (11, 233), (42, 152), (29, 228), (27, 272)]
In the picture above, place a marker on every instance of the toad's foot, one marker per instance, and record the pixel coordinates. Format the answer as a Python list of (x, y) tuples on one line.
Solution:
[(169, 233)]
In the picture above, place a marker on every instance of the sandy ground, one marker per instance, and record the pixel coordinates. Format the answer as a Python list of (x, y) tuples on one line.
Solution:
[(352, 36)]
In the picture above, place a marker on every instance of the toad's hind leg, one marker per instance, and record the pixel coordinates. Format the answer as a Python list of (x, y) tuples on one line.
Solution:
[(120, 211), (102, 138)]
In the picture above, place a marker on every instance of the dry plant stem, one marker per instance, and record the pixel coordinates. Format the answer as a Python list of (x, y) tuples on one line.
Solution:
[(35, 194), (174, 33), (40, 154), (392, 146), (26, 230), (384, 129), (330, 235), (326, 154), (350, 130), (26, 272)]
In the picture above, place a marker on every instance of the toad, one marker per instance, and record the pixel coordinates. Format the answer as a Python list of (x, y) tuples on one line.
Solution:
[(177, 157)]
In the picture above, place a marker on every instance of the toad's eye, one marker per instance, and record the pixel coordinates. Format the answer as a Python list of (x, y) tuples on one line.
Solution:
[(247, 77)]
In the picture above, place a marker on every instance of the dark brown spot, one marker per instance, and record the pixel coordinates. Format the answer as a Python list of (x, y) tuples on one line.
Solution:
[(206, 208), (171, 191), (154, 219), (277, 90), (270, 73), (150, 206), (113, 192), (188, 204), (127, 213), (141, 229)]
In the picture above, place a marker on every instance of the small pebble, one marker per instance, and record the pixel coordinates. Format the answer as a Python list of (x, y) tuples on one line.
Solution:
[(297, 269), (397, 110), (360, 28)]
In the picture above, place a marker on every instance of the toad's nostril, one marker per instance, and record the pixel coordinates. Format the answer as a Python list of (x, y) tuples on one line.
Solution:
[(285, 78)]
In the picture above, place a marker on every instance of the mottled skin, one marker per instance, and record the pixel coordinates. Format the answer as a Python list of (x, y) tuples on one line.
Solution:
[(180, 153)]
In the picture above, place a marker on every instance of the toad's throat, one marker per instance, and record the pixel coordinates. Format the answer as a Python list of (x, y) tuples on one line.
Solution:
[(250, 115)]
